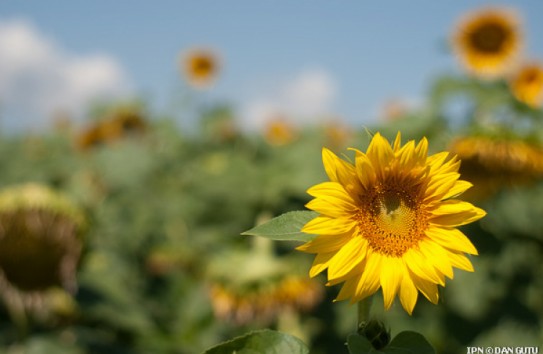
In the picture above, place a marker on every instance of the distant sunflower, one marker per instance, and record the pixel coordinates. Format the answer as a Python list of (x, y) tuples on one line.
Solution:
[(527, 84), (40, 242), (265, 300), (200, 67), (491, 163), (337, 135), (390, 221), (279, 131), (488, 42), (118, 124), (258, 287)]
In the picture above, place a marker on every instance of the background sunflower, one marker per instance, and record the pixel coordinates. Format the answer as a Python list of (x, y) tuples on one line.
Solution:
[(488, 41)]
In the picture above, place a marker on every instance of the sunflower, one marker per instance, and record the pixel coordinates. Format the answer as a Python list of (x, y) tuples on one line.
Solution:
[(488, 42), (491, 163), (264, 301), (390, 220), (40, 243), (200, 67), (120, 123), (527, 84), (279, 131), (258, 286)]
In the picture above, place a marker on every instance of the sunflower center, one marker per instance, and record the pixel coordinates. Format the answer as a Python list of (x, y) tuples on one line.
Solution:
[(202, 66), (391, 220), (394, 215), (531, 77), (489, 38)]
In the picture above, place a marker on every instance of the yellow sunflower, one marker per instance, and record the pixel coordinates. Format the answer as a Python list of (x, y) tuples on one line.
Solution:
[(527, 84), (390, 220), (279, 131), (488, 42), (200, 67)]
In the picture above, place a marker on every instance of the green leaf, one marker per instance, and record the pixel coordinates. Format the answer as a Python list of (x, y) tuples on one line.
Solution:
[(358, 344), (261, 342), (285, 227), (409, 342), (406, 342)]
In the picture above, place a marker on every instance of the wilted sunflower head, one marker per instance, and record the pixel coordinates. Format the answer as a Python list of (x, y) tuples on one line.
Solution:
[(491, 163), (390, 221), (256, 287), (526, 84), (40, 240), (488, 42), (262, 302), (200, 67)]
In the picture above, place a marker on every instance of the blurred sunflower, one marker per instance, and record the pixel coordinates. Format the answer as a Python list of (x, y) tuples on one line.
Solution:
[(390, 221), (488, 41), (118, 124), (491, 163), (337, 135), (527, 84), (40, 242), (263, 302), (200, 67), (256, 286), (279, 132)]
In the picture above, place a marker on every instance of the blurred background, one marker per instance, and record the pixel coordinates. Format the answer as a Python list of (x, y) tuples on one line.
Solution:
[(137, 141)]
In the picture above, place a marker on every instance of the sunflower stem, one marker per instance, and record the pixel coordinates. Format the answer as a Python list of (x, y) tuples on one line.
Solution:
[(364, 307)]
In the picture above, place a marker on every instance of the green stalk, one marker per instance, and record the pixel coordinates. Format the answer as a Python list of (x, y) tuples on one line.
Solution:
[(364, 307)]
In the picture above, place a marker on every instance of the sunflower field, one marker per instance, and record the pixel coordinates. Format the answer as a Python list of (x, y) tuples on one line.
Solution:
[(422, 233)]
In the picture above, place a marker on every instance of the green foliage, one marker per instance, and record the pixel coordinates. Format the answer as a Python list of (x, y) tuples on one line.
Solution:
[(261, 342), (406, 342), (165, 211), (285, 227)]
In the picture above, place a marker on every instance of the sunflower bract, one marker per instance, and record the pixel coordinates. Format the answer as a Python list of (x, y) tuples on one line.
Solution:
[(390, 221)]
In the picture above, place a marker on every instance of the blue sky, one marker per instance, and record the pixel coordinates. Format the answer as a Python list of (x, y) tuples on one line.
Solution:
[(350, 57)]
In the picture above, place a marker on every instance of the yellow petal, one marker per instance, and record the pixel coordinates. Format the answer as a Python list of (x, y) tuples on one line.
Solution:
[(452, 239), (408, 293), (460, 261), (325, 243), (324, 225), (320, 263), (436, 160), (397, 142), (418, 264), (391, 278), (356, 271), (337, 169), (440, 185), (428, 289), (421, 151), (458, 188), (330, 189), (453, 213), (437, 257), (369, 279), (380, 153), (450, 164), (348, 289), (348, 257), (405, 156), (364, 169), (331, 206)]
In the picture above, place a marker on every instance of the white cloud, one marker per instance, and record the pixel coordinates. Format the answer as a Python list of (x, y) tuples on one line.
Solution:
[(307, 98), (37, 78)]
